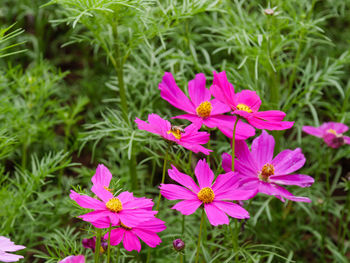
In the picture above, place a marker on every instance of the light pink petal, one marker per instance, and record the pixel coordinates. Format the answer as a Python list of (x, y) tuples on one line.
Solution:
[(215, 215), (347, 139), (102, 176), (225, 182), (131, 241), (86, 201), (7, 245), (218, 107), (116, 236), (7, 257), (313, 131), (288, 161), (150, 238), (245, 164), (204, 174), (197, 90), (262, 149), (232, 209), (176, 192), (222, 89), (101, 193), (235, 194), (183, 179), (301, 180), (248, 98), (270, 115), (170, 92), (74, 259), (269, 125), (187, 207)]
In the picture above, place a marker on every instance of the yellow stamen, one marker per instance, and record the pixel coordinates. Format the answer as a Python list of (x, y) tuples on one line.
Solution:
[(176, 133), (266, 172), (114, 205), (102, 250), (244, 108), (332, 131), (124, 226), (206, 195), (204, 109)]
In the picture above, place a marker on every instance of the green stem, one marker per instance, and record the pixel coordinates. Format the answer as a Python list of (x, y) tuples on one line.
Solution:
[(199, 236), (163, 176), (183, 226), (181, 258), (233, 144), (98, 245), (24, 155), (118, 253), (109, 244), (189, 161)]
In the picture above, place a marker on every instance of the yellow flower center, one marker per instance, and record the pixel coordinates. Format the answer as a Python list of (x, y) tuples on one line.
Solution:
[(332, 131), (114, 205), (266, 172), (244, 108), (204, 109), (124, 226), (206, 195), (176, 132)]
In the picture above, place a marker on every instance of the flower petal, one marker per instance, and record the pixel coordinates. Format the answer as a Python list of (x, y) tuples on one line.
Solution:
[(301, 180), (215, 215), (218, 107), (176, 192), (197, 90), (262, 149), (288, 161), (204, 174), (101, 193), (116, 236), (313, 131), (149, 237), (187, 207), (7, 257), (102, 176), (245, 164), (131, 241), (86, 201), (235, 194), (232, 209), (224, 182), (269, 125), (183, 179), (249, 98)]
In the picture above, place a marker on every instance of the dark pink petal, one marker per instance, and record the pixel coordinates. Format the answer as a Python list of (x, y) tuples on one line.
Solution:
[(125, 196), (301, 180), (288, 161), (191, 117), (131, 241), (218, 107), (150, 238), (235, 194), (215, 215), (187, 207), (197, 90), (175, 192), (204, 174), (102, 176), (116, 236), (133, 217), (86, 201), (100, 214), (196, 148), (153, 225), (183, 179), (347, 139), (271, 115), (225, 182), (101, 193), (226, 162), (222, 89), (192, 135), (249, 183), (245, 164), (232, 209), (156, 125), (103, 222), (313, 131), (262, 149), (170, 92), (142, 203), (248, 98), (269, 125), (334, 141)]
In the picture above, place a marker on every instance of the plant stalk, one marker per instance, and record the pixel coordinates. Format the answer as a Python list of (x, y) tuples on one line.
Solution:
[(199, 236)]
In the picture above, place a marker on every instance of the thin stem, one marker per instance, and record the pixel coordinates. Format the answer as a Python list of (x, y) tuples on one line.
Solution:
[(109, 244), (163, 176), (98, 245), (183, 226), (181, 258), (233, 144), (199, 237), (189, 161), (118, 252)]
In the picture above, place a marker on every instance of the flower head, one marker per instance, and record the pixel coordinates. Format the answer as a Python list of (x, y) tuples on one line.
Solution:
[(200, 108), (190, 137), (246, 104), (146, 231), (178, 244), (258, 169), (6, 245), (215, 197), (330, 132), (73, 259)]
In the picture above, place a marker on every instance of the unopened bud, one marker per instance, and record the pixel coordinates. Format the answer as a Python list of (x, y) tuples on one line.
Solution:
[(269, 12), (179, 245)]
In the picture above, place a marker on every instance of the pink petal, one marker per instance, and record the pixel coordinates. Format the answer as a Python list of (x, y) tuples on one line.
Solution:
[(269, 125), (347, 139), (101, 193), (196, 148), (86, 201), (262, 149), (235, 194), (225, 182), (131, 241), (99, 214), (332, 140), (133, 217), (226, 162), (7, 257), (116, 236), (288, 161), (204, 174), (284, 193), (183, 179), (313, 131), (215, 215), (175, 192), (7, 245), (271, 115), (170, 92), (248, 98), (125, 197), (197, 90), (245, 164), (191, 117), (232, 209), (187, 207), (73, 259), (156, 125), (301, 180), (222, 89), (218, 107), (102, 176), (150, 238), (337, 126), (153, 225)]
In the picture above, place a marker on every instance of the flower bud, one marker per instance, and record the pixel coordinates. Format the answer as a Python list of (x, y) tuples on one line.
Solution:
[(179, 245), (269, 12)]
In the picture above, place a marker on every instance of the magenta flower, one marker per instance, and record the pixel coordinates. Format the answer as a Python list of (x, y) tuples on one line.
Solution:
[(102, 176), (6, 245), (73, 259), (190, 137), (124, 207), (330, 132), (146, 231), (246, 104), (259, 170), (200, 108), (215, 197)]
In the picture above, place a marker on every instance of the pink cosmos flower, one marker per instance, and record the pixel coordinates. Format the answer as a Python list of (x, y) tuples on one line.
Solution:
[(102, 176), (215, 197), (146, 231), (124, 207), (190, 137), (259, 170), (246, 104), (73, 259), (6, 245), (201, 108), (330, 132)]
